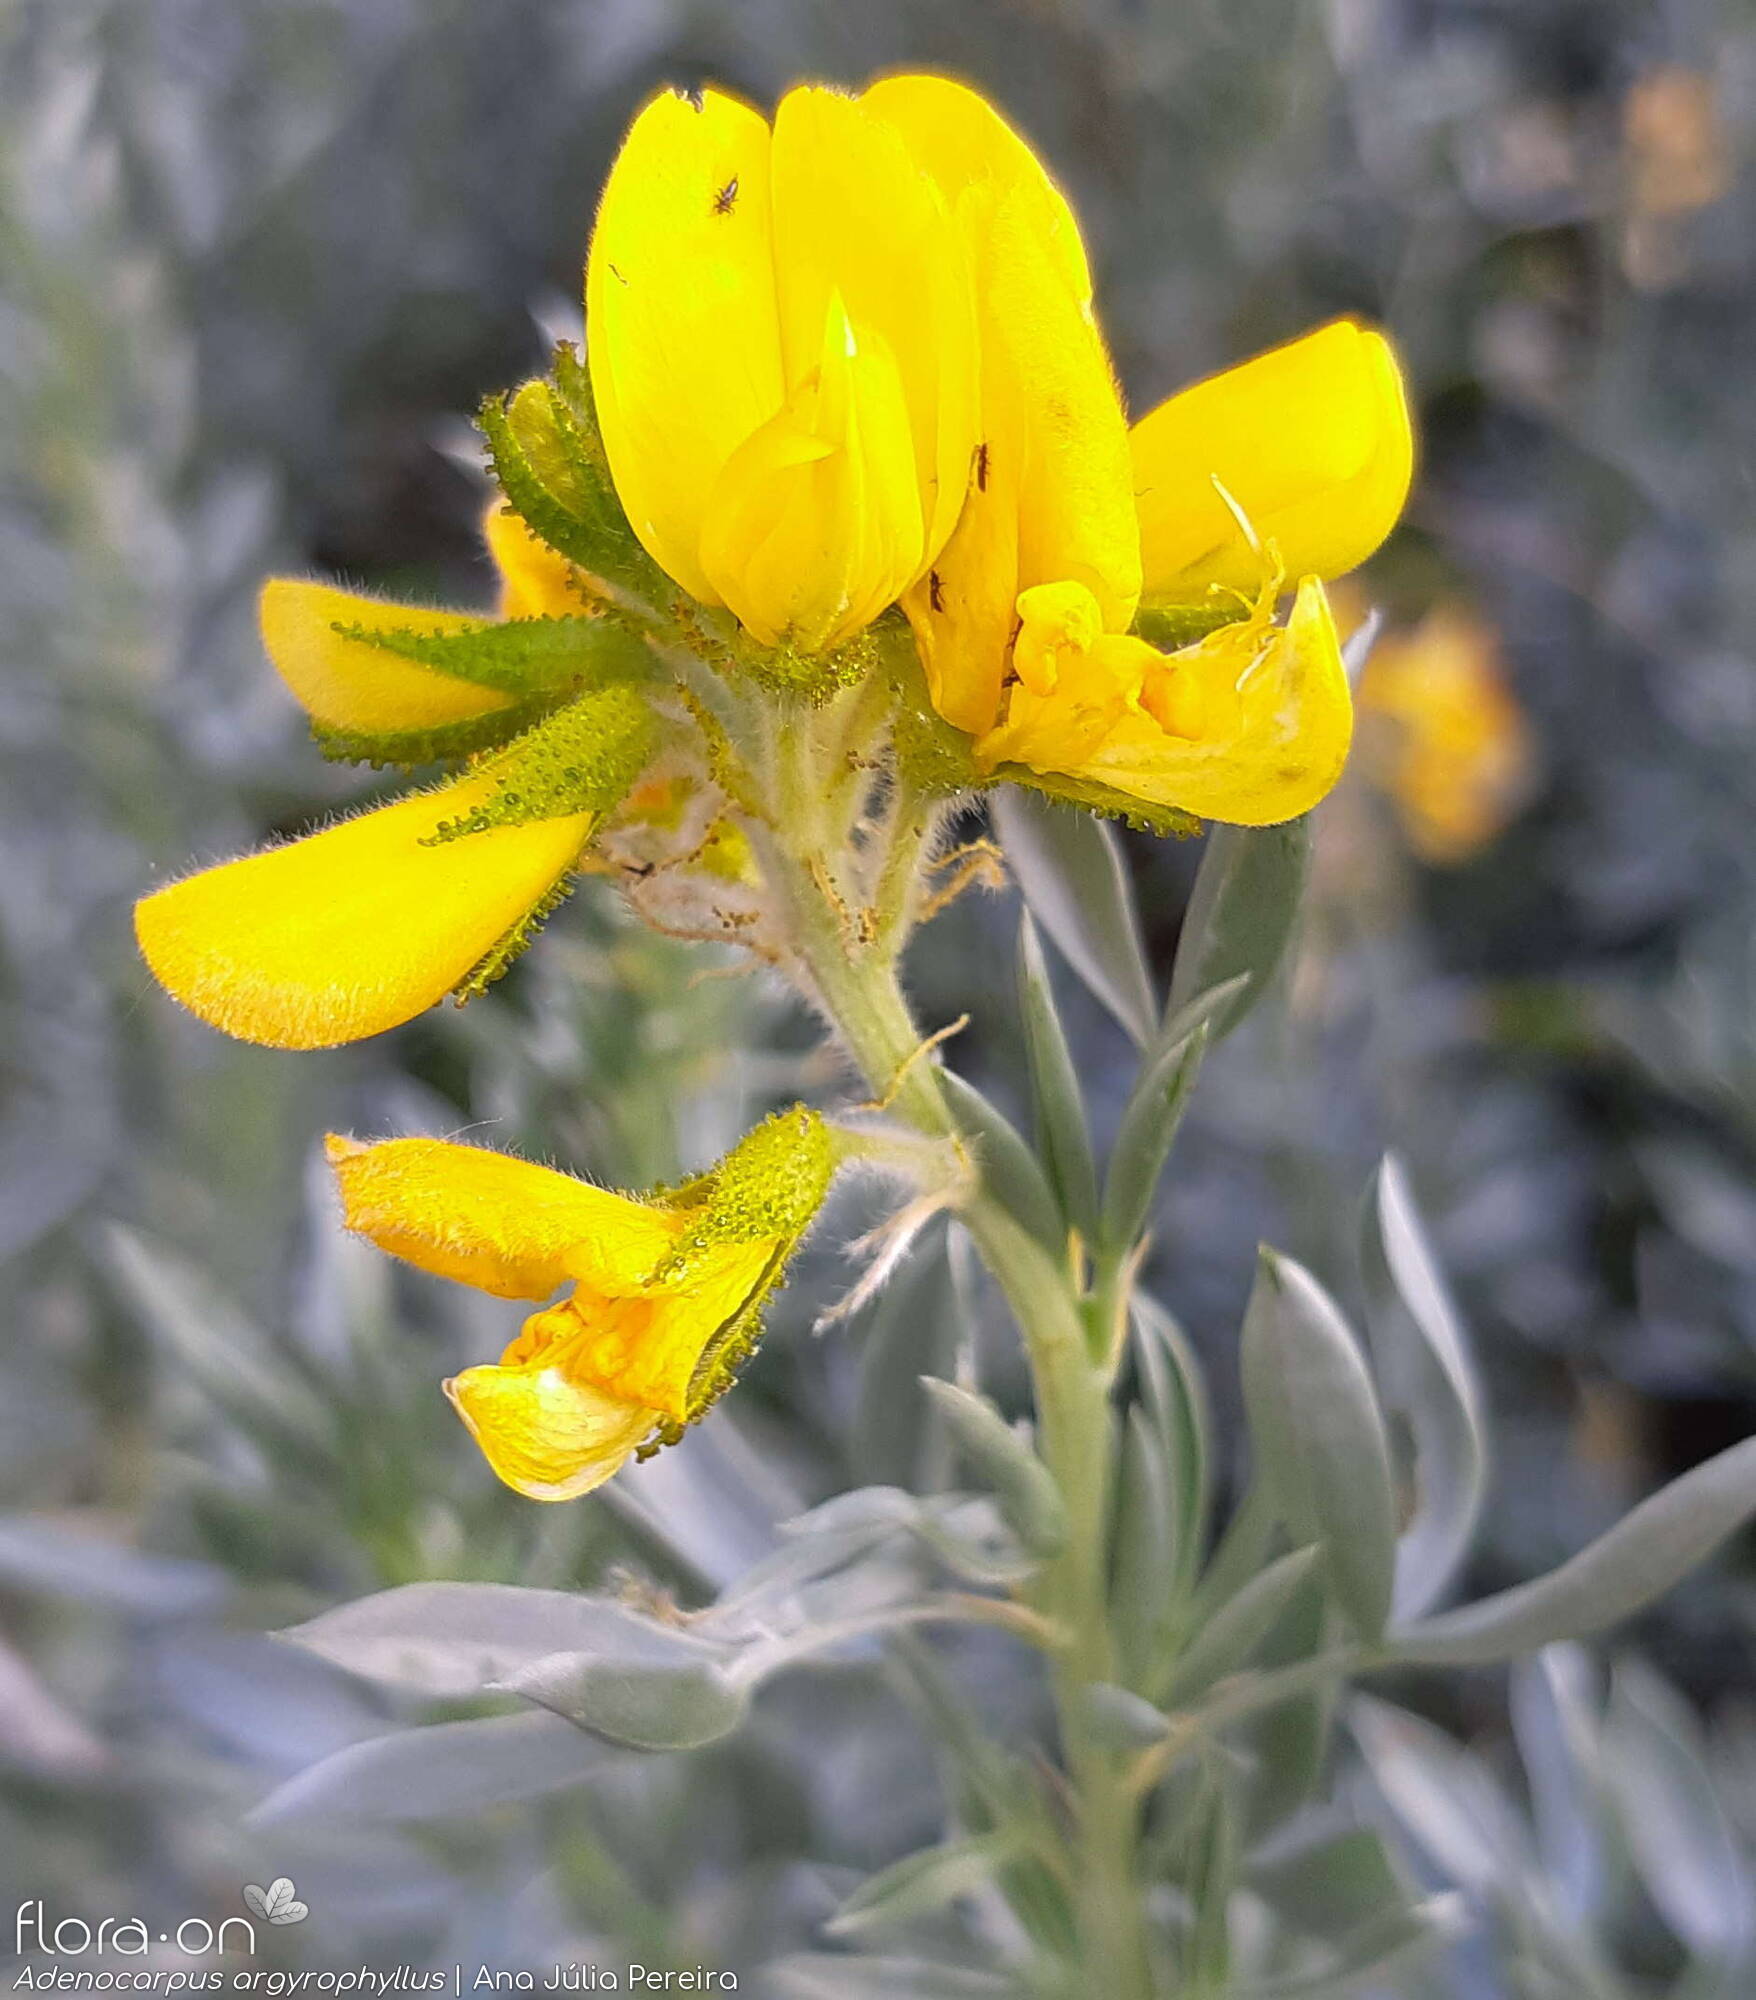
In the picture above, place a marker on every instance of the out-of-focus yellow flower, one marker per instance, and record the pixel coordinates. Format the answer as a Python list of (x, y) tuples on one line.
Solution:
[(363, 925), (781, 333), (667, 1289), (1071, 521), (1677, 161), (1442, 734)]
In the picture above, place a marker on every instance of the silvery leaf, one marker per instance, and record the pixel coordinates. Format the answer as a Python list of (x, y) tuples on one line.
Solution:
[(1072, 872), (1319, 1440), (1640, 1558)]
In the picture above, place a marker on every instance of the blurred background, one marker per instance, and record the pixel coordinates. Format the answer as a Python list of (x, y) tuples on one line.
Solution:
[(259, 260)]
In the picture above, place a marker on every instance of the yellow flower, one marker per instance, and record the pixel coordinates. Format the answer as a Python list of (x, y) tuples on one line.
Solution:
[(1310, 443), (781, 332), (363, 925), (666, 1290), (1443, 734)]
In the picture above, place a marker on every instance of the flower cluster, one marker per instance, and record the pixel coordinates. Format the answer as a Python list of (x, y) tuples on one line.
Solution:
[(845, 439)]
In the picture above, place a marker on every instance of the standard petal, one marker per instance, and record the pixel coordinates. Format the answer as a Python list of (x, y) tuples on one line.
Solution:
[(534, 581), (345, 684), (1312, 440), (682, 325), (963, 142), (355, 929), (504, 1225)]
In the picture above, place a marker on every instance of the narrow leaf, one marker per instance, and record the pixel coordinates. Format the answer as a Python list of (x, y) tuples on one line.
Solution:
[(835, 1976), (1149, 1126), (1123, 1720), (42, 1555), (1448, 1800), (1154, 1110), (912, 1332), (1328, 1883), (920, 1884), (1075, 880), (1174, 1396), (1024, 1486), (1143, 1570), (1212, 1877), (1679, 1835), (447, 1770), (1639, 1559), (649, 1704), (1319, 1439), (1557, 1726), (1425, 1370), (1061, 1131), (1385, 1945), (468, 1638), (1226, 1641), (1241, 914), (1010, 1170)]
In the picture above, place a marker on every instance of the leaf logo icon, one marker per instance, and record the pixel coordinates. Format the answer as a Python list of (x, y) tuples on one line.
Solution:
[(278, 1903)]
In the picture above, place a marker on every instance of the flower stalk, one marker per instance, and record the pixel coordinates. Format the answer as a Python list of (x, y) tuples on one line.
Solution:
[(1072, 1356)]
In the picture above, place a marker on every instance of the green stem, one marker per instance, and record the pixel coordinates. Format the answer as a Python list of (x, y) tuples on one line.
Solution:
[(1075, 1438), (855, 976)]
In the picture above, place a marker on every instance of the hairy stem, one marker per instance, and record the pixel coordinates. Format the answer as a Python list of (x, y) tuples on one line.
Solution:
[(854, 972)]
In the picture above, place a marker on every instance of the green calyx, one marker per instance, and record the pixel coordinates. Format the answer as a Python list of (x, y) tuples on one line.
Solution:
[(548, 460), (444, 743), (1170, 627), (767, 1189), (501, 954), (520, 656), (811, 677), (932, 755), (580, 759), (540, 662), (771, 1184), (1168, 822)]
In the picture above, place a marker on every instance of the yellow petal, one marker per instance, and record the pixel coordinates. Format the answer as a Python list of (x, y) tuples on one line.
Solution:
[(855, 218), (355, 929), (504, 1225), (1312, 440), (1052, 497), (815, 526), (963, 142), (534, 581), (548, 1436), (649, 1349), (1272, 705), (588, 1380), (1076, 682), (682, 325), (344, 684)]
